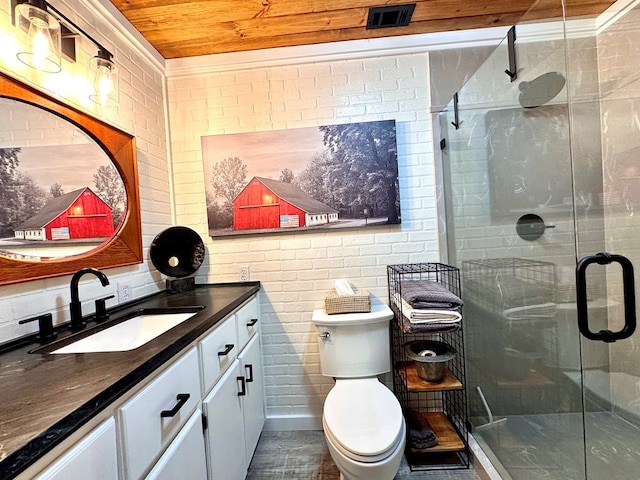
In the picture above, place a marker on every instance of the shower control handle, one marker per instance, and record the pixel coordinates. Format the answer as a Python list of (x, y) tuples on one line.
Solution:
[(628, 283)]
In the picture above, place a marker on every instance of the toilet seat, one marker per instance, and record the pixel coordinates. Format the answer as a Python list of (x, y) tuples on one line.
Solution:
[(364, 419)]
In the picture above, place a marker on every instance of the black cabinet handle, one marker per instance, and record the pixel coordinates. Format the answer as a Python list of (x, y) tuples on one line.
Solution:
[(250, 369), (629, 297), (227, 348), (182, 399), (243, 388), (252, 322)]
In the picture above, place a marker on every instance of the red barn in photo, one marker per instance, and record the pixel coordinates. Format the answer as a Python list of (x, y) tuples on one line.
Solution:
[(265, 203), (78, 214)]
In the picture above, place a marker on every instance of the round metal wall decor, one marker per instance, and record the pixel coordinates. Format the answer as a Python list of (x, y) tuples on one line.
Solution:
[(177, 252)]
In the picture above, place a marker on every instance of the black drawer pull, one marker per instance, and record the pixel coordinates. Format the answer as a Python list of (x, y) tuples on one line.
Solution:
[(243, 390), (252, 322), (182, 399), (249, 367), (227, 348)]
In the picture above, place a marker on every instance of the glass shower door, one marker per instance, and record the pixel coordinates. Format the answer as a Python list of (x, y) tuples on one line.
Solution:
[(511, 228), (540, 171), (610, 111)]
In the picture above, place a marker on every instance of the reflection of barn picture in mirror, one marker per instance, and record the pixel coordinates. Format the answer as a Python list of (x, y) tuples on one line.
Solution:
[(302, 180), (124, 246), (60, 194)]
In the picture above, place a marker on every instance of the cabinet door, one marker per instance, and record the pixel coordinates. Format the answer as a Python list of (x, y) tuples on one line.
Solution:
[(92, 458), (253, 404), (185, 457), (224, 437)]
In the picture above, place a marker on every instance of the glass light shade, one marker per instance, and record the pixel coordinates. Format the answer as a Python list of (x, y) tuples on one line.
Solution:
[(43, 38), (105, 81)]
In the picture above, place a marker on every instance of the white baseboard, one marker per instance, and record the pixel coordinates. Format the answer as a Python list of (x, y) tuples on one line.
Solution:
[(285, 423)]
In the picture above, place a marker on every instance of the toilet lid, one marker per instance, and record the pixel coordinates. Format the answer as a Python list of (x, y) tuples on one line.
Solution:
[(364, 416)]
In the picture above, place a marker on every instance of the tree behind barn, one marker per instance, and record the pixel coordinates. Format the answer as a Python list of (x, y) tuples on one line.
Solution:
[(228, 178), (8, 165), (110, 188), (366, 157)]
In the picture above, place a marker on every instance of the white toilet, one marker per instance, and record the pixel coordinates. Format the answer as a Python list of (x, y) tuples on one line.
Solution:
[(362, 419)]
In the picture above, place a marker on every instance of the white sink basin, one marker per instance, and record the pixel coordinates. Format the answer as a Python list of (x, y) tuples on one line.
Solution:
[(129, 334)]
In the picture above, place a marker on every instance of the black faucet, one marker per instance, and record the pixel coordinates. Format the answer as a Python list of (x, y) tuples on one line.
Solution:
[(75, 306)]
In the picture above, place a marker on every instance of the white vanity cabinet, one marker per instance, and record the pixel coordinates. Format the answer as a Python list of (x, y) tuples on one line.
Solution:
[(92, 458), (156, 433)]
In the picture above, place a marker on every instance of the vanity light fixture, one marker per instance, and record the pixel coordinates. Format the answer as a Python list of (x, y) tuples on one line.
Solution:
[(105, 91), (44, 24), (43, 36)]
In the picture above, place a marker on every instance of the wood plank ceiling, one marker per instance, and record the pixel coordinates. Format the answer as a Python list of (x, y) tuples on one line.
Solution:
[(179, 28)]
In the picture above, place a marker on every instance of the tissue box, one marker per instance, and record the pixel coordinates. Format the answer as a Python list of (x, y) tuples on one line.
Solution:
[(358, 303)]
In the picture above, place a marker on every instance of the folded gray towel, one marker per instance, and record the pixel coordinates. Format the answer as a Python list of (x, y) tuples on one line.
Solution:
[(421, 434), (427, 294), (431, 327)]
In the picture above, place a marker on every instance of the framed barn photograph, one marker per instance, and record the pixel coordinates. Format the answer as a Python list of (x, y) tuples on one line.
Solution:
[(303, 179)]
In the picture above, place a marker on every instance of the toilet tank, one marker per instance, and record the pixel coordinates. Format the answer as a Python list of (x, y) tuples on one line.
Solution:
[(354, 345)]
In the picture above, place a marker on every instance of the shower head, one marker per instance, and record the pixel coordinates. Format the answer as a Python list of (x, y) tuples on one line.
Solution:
[(541, 89)]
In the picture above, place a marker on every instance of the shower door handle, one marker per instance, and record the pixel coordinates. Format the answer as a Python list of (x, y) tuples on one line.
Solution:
[(629, 297)]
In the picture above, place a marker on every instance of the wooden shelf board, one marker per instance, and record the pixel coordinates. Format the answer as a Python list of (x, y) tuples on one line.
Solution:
[(448, 438), (414, 383)]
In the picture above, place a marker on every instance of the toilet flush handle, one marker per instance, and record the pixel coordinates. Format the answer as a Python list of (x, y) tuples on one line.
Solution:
[(324, 335)]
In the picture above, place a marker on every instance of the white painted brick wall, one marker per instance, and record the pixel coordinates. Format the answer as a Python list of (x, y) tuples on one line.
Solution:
[(141, 113), (297, 270)]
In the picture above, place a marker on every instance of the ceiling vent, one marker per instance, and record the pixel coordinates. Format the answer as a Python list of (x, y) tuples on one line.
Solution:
[(392, 16)]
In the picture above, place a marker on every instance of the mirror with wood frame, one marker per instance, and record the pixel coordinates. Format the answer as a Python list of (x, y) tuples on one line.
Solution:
[(68, 189)]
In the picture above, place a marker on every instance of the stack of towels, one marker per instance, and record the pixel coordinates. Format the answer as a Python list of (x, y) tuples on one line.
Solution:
[(428, 306), (421, 435)]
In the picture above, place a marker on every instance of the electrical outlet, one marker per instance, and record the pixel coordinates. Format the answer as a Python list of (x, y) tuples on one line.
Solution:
[(244, 273), (124, 292)]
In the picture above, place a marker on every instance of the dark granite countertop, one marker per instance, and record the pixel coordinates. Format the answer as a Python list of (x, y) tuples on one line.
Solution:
[(44, 398)]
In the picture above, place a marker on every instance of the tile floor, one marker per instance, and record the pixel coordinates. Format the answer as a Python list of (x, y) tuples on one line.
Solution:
[(303, 455)]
